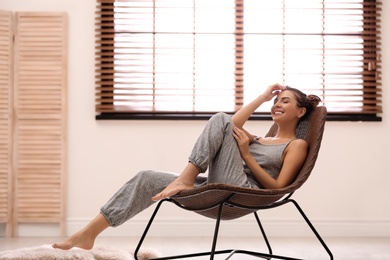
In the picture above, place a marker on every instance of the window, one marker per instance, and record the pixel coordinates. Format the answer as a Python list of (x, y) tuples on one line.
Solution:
[(192, 58)]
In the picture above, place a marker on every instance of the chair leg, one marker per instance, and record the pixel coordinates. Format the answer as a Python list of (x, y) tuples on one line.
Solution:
[(147, 228), (312, 228), (268, 255), (210, 253), (217, 224), (272, 256), (263, 233)]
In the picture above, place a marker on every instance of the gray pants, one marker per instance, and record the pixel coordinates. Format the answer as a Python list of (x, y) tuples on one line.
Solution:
[(215, 150)]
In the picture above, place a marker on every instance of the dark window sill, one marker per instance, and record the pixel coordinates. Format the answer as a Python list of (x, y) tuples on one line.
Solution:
[(206, 116)]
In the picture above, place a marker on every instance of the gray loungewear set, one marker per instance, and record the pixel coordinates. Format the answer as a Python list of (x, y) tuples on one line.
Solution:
[(216, 150)]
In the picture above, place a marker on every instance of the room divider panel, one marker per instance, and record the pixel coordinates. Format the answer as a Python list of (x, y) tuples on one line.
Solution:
[(6, 63), (37, 120)]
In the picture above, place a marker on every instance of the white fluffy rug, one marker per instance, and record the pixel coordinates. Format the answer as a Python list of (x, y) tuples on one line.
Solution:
[(46, 252)]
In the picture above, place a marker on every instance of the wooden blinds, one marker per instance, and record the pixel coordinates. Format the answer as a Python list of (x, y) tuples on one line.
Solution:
[(197, 56), (39, 119), (6, 63)]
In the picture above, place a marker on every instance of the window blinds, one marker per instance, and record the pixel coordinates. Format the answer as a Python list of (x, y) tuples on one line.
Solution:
[(202, 56)]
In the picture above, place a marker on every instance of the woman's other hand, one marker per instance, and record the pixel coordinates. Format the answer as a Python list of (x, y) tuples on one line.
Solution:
[(242, 140)]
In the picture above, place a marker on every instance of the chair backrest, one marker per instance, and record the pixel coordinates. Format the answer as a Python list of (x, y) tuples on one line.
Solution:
[(311, 129)]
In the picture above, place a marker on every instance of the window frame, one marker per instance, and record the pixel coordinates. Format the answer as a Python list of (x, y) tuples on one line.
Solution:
[(332, 116)]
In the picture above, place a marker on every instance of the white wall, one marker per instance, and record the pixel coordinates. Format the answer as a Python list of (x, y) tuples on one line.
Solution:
[(347, 194)]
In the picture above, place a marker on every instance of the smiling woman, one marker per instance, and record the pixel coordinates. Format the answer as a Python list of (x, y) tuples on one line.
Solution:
[(230, 154), (173, 57)]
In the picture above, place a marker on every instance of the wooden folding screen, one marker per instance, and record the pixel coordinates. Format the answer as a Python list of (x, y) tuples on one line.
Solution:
[(39, 119), (6, 63)]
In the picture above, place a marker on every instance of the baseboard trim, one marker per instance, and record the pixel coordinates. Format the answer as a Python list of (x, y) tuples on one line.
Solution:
[(243, 228), (205, 227)]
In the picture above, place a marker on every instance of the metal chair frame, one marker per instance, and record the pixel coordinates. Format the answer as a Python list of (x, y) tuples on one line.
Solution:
[(227, 203)]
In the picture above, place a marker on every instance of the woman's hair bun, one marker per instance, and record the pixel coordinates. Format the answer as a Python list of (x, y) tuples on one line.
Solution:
[(314, 100)]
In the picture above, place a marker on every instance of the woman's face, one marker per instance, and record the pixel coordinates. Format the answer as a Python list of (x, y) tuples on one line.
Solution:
[(286, 107)]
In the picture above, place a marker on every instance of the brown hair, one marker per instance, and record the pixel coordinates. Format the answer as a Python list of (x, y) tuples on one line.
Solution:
[(310, 102)]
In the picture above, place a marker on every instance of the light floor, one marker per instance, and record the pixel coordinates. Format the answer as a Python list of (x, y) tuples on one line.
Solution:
[(307, 248)]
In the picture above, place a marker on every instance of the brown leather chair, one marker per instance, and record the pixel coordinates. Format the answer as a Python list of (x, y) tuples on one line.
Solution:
[(227, 202)]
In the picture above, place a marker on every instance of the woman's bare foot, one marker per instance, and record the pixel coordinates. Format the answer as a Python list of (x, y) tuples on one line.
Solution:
[(85, 238), (80, 239), (173, 188)]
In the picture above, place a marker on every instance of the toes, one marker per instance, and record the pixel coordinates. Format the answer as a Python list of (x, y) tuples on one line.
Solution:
[(157, 197)]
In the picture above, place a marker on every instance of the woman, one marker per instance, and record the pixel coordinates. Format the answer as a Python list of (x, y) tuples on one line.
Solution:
[(228, 151)]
